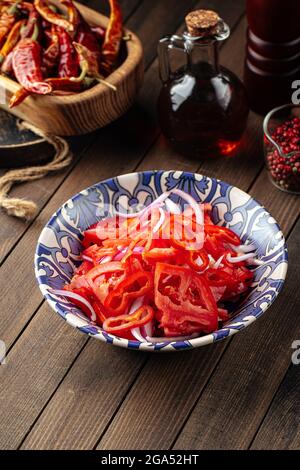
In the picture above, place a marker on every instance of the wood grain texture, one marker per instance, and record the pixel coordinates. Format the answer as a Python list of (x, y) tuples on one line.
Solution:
[(91, 109), (246, 379), (32, 372), (104, 377), (280, 428)]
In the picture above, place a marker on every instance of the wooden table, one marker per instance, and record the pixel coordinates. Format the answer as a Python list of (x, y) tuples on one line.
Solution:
[(61, 390)]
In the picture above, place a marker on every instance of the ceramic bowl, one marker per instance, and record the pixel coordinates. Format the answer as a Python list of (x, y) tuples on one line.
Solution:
[(59, 246)]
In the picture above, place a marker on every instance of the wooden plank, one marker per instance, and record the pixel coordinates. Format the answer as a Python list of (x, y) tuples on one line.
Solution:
[(31, 373), (280, 428), (246, 379), (40, 191), (47, 420), (34, 368), (156, 19)]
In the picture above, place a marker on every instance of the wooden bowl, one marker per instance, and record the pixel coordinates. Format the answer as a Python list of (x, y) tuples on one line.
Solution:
[(86, 111)]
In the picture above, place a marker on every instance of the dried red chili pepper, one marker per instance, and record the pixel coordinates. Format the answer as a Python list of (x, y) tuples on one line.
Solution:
[(84, 34), (113, 37), (6, 66), (27, 65), (7, 20), (51, 55), (53, 17), (88, 63), (74, 16), (12, 39), (18, 97), (33, 19), (64, 84), (99, 32), (68, 65)]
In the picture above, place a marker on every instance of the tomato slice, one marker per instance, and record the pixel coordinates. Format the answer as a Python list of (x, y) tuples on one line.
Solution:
[(124, 323), (185, 300)]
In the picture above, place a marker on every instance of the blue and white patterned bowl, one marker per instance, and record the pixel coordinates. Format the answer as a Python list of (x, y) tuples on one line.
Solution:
[(59, 245)]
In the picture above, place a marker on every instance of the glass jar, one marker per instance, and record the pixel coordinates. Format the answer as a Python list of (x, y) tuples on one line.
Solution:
[(282, 147), (202, 106)]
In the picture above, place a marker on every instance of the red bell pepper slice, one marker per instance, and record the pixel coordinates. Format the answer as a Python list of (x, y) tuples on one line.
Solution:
[(222, 234), (105, 268), (192, 258), (133, 286), (184, 299), (124, 323)]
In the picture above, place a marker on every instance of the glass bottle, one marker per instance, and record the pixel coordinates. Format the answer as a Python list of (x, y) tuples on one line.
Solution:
[(202, 106)]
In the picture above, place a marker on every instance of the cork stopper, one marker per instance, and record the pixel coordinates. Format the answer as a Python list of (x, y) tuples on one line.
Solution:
[(201, 23)]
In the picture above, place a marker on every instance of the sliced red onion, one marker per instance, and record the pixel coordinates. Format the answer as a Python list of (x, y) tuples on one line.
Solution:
[(120, 255), (237, 259), (194, 204), (148, 329), (73, 296), (87, 258), (199, 261), (172, 207), (212, 260), (136, 332), (136, 304), (256, 262), (106, 259), (165, 339), (160, 221), (218, 262), (244, 248), (138, 249), (155, 203)]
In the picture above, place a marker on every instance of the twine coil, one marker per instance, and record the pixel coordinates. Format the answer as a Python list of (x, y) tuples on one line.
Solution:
[(23, 208)]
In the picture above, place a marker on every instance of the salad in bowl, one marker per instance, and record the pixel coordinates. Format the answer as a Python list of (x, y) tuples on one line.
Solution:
[(161, 260)]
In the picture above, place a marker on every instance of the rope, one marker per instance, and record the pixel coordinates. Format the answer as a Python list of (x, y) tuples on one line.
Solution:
[(25, 208)]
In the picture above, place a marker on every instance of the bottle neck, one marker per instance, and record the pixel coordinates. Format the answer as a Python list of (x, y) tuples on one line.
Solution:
[(203, 54), (204, 50)]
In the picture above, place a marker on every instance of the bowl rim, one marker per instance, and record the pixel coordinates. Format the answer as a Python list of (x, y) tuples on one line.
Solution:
[(176, 345)]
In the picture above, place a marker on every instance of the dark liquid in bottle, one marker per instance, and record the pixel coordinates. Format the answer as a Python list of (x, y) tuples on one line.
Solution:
[(203, 114)]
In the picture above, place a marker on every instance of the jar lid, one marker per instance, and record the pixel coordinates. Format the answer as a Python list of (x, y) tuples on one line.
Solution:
[(201, 23)]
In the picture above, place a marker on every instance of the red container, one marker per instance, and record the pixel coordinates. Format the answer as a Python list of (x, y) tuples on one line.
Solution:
[(273, 52)]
